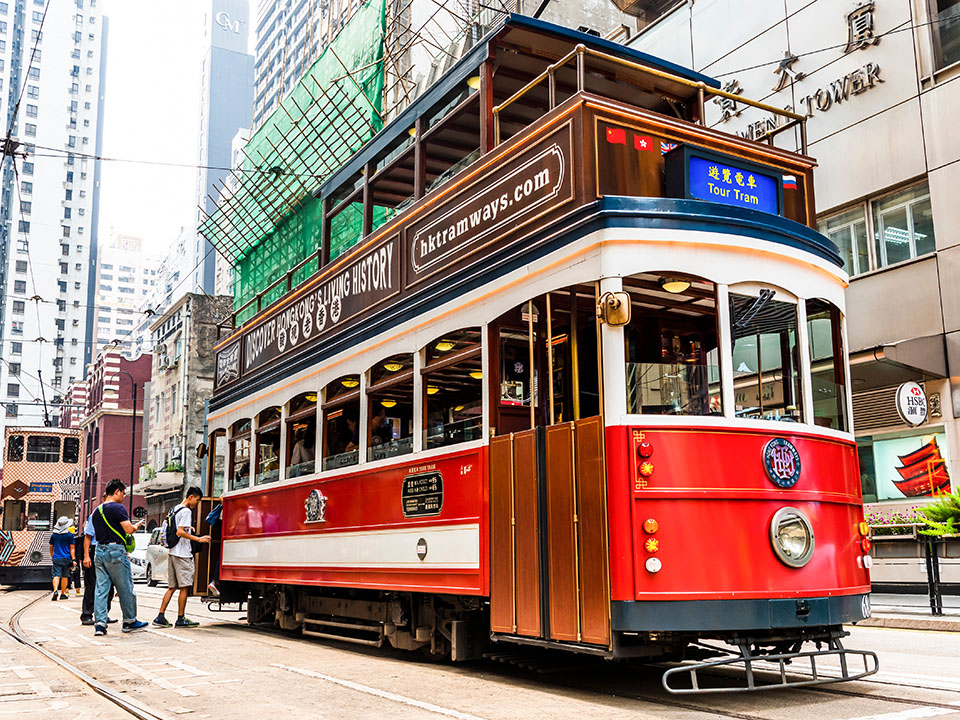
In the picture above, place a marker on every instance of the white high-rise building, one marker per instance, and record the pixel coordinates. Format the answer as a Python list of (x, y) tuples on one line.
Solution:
[(48, 199), (126, 279)]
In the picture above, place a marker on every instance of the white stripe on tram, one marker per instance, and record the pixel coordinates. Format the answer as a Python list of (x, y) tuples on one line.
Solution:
[(447, 547)]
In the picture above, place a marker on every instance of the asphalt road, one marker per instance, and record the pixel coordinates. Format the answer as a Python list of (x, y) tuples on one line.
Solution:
[(223, 669)]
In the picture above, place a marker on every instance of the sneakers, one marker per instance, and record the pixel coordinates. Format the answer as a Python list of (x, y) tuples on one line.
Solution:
[(86, 621), (111, 621), (214, 590), (183, 622), (100, 630), (134, 626), (161, 621), (55, 595), (64, 596)]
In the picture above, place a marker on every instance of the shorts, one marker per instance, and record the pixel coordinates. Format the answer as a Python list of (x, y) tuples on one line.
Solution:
[(179, 572), (61, 567)]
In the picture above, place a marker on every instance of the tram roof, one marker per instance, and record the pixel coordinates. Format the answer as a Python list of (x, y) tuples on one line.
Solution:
[(515, 30)]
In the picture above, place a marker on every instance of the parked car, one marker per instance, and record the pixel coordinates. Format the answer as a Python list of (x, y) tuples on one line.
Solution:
[(155, 559), (138, 558)]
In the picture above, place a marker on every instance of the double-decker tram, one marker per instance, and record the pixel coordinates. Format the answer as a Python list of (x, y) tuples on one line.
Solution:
[(580, 382), (41, 483)]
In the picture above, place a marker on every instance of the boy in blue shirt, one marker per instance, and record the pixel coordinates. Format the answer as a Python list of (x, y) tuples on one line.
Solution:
[(62, 555)]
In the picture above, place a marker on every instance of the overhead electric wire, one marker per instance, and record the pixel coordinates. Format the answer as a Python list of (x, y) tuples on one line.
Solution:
[(23, 87)]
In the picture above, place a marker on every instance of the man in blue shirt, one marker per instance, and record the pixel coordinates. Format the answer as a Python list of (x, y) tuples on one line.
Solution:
[(90, 573), (61, 554), (110, 522)]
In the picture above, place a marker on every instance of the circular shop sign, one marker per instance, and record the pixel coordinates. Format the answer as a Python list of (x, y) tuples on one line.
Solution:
[(140, 512), (912, 404), (781, 461)]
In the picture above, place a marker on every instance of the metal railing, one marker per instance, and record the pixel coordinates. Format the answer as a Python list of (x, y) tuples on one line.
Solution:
[(580, 53)]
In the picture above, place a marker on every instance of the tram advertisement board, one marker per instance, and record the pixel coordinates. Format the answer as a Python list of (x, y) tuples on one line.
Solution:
[(507, 197), (354, 288)]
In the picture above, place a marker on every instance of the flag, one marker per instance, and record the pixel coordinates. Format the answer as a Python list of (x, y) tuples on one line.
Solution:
[(789, 182), (666, 147), (642, 142), (617, 136)]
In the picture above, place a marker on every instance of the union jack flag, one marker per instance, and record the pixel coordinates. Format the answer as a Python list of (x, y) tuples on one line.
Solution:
[(666, 147)]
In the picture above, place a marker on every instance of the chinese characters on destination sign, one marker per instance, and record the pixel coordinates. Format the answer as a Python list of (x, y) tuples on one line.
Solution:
[(714, 181)]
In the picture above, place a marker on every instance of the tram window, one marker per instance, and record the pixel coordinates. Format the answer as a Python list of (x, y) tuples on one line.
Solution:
[(390, 408), (71, 450), (64, 508), (43, 448), (15, 448), (218, 463), (302, 435), (38, 516), (766, 376), (14, 515), (827, 365), (515, 367), (452, 389), (240, 455), (671, 347), (268, 446), (341, 423)]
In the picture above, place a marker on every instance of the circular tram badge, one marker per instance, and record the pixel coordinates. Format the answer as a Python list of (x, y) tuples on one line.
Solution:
[(781, 462)]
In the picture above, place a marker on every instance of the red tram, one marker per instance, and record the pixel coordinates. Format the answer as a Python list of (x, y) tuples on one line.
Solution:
[(585, 388)]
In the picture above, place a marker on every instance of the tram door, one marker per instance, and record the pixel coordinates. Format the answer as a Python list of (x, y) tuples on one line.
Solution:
[(208, 560), (548, 544)]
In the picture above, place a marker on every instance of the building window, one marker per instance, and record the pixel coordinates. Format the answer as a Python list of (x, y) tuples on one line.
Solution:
[(67, 213), (34, 73), (21, 266), (33, 91), (14, 369), (20, 286), (26, 207), (19, 307), (32, 110), (13, 390), (946, 31), (16, 327), (903, 225), (16, 348), (30, 130), (27, 168), (26, 188)]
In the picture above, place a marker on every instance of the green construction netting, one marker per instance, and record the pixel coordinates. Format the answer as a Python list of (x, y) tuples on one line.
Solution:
[(272, 222)]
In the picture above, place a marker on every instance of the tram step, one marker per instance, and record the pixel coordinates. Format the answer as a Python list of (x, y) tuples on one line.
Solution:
[(344, 629)]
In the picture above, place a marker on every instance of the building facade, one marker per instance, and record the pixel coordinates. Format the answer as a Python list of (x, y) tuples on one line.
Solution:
[(48, 198), (112, 424), (878, 83), (126, 278), (183, 369)]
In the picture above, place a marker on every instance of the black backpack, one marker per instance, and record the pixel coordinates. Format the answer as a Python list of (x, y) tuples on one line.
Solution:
[(170, 537)]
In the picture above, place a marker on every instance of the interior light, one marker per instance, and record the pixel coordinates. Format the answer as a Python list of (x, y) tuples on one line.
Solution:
[(445, 346), (392, 366), (473, 82), (310, 397), (432, 390), (458, 408), (674, 285), (350, 382), (412, 132), (476, 374), (388, 403)]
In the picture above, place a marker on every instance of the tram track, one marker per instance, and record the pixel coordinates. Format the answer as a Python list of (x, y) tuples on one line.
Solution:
[(15, 631)]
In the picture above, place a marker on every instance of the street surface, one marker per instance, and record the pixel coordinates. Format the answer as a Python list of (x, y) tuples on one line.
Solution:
[(225, 669)]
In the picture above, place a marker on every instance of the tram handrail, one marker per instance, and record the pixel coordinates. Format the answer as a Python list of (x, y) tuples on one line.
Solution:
[(703, 92)]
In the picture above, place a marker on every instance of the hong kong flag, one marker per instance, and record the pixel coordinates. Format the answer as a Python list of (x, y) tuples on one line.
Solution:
[(617, 136), (643, 142)]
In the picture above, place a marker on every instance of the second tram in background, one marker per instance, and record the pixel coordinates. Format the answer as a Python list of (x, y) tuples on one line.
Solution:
[(583, 386), (41, 482)]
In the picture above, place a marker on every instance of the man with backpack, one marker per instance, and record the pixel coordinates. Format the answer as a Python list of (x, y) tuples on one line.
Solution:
[(179, 537)]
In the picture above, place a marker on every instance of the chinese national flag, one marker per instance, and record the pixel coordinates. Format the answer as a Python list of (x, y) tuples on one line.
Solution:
[(643, 142), (617, 136)]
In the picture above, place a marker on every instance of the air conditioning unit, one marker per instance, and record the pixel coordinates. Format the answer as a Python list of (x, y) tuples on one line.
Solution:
[(163, 362)]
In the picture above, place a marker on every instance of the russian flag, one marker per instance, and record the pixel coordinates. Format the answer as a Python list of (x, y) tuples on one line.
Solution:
[(617, 136), (789, 182)]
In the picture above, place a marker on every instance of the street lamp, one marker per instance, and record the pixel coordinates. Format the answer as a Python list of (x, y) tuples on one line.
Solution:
[(133, 435)]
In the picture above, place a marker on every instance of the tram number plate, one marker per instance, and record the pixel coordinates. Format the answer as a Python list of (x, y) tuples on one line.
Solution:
[(422, 494)]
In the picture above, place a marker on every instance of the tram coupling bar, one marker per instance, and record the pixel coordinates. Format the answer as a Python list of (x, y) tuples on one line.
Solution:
[(768, 670)]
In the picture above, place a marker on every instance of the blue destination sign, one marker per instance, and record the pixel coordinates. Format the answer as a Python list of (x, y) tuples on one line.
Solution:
[(41, 487), (731, 185)]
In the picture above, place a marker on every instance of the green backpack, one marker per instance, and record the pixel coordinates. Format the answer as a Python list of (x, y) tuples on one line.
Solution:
[(129, 542)]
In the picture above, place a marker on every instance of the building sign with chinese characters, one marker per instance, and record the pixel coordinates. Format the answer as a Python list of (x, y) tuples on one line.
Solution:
[(732, 185)]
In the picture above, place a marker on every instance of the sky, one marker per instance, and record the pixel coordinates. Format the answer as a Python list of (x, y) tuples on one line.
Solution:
[(151, 115)]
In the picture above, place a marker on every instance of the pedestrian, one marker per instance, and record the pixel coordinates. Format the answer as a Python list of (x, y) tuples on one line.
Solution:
[(62, 557), (90, 573), (110, 522), (180, 565), (77, 575)]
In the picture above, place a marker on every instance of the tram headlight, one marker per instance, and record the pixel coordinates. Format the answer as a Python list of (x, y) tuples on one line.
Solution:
[(791, 536)]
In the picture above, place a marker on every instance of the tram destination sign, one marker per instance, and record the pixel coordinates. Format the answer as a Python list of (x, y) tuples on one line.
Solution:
[(355, 288), (701, 175), (506, 198)]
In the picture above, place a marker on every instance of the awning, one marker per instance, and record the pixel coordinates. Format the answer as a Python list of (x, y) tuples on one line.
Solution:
[(922, 358)]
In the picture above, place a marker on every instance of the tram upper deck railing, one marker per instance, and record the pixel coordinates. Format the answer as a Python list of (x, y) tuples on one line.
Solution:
[(437, 162)]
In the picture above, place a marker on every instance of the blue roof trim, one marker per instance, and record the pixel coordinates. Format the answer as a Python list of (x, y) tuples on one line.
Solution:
[(609, 46), (608, 212), (465, 68)]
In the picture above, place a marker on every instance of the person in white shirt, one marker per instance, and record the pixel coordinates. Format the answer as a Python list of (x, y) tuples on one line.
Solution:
[(180, 565)]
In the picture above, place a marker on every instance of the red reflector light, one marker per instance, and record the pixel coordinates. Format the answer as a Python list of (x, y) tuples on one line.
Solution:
[(644, 449), (646, 469), (865, 544), (650, 526)]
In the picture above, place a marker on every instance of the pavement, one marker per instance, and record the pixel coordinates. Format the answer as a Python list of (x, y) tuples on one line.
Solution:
[(912, 612)]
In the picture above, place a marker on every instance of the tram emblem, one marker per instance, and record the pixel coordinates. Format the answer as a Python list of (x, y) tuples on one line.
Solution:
[(781, 462), (316, 507)]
